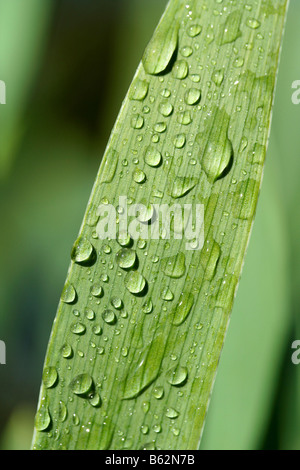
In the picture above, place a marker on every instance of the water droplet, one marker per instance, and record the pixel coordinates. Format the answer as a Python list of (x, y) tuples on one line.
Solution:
[(137, 121), (177, 376), (124, 239), (62, 411), (163, 44), (232, 27), (135, 282), (218, 152), (194, 30), (95, 400), (67, 351), (160, 127), (184, 118), (180, 69), (109, 165), (81, 384), (218, 77), (148, 306), (209, 258), (68, 295), (165, 108), (117, 303), (192, 96), (157, 428), (183, 308), (42, 418), (144, 429), (145, 406), (186, 51), (89, 314), (78, 328), (158, 392), (126, 258), (179, 141), (253, 23), (174, 266), (139, 90), (245, 199), (171, 413), (182, 185), (148, 446), (167, 294), (145, 369), (109, 317), (82, 251), (152, 156), (139, 176), (50, 377), (97, 290), (166, 93)]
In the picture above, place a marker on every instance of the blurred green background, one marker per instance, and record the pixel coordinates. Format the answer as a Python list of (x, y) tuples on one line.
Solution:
[(67, 65)]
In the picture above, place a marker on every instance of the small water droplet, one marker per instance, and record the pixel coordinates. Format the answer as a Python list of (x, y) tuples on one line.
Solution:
[(165, 108), (253, 23), (152, 156), (50, 376), (182, 185), (139, 176), (81, 384), (179, 141), (174, 266), (183, 308), (167, 294), (209, 258), (137, 121), (139, 90), (109, 165), (78, 328), (218, 77), (62, 411), (126, 258), (135, 282), (109, 317), (95, 400), (177, 376), (186, 51), (97, 290), (42, 418), (124, 239), (148, 306), (67, 351), (68, 295), (180, 69), (184, 118), (192, 96), (82, 251), (158, 392), (194, 30), (171, 413)]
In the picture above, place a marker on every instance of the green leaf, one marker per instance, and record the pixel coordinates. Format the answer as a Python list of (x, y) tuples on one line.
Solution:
[(192, 131)]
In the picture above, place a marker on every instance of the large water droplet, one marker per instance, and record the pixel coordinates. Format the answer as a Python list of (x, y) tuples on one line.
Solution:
[(81, 384), (135, 282), (82, 251), (171, 413), (139, 176), (183, 308), (179, 141), (78, 328), (137, 121), (165, 108), (174, 266)]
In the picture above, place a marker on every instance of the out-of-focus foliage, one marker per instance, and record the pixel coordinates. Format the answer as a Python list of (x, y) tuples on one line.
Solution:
[(67, 119)]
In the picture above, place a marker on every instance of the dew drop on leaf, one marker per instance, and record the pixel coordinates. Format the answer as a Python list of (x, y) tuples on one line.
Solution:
[(177, 376), (82, 251), (81, 384), (50, 376)]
